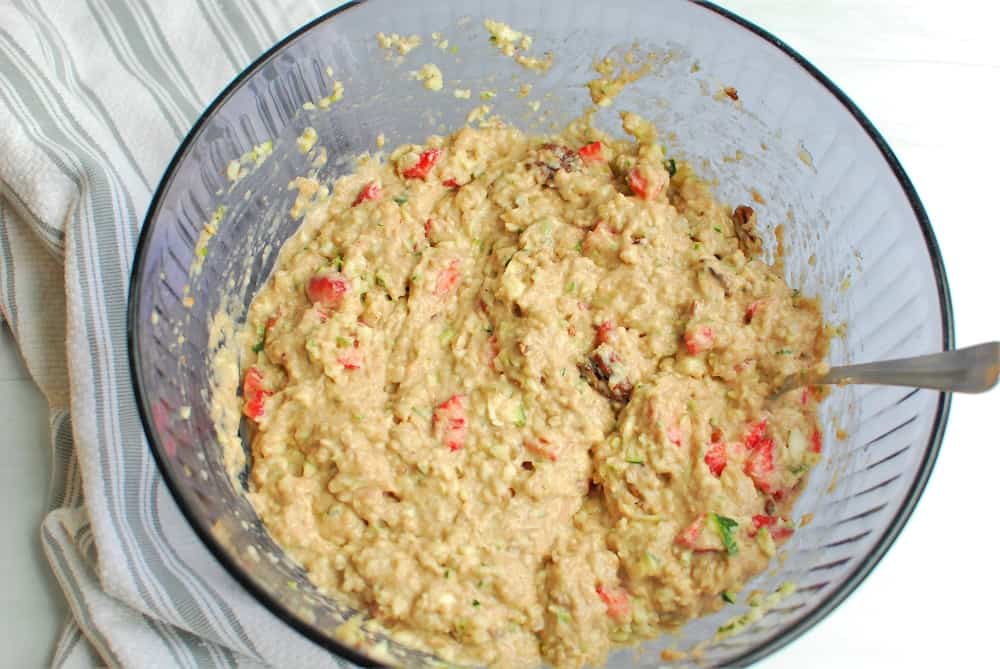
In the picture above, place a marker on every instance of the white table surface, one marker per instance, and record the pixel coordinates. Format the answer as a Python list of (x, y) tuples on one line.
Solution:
[(928, 74)]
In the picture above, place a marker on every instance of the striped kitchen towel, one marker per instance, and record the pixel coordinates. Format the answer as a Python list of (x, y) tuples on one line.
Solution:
[(95, 96)]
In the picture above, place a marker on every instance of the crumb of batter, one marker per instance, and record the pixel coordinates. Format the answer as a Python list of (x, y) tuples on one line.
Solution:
[(400, 43), (487, 95), (507, 395), (307, 140), (380, 140), (336, 95), (462, 93), (439, 41), (255, 157), (478, 114), (805, 157), (606, 87), (208, 231), (430, 75), (515, 44), (672, 655)]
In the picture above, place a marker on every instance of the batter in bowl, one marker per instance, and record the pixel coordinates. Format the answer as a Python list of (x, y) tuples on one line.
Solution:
[(508, 394)]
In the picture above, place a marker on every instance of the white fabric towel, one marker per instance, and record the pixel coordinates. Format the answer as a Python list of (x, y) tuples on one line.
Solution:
[(95, 96)]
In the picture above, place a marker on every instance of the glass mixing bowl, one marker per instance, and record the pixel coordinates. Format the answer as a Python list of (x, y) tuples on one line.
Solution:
[(854, 232)]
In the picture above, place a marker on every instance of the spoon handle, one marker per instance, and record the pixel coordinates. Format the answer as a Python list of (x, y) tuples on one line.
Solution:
[(973, 369)]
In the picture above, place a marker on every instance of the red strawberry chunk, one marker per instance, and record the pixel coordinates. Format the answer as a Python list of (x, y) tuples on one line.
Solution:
[(699, 339), (370, 191), (696, 538), (756, 434), (447, 279), (450, 183), (689, 536), (817, 441), (351, 358), (450, 424), (778, 532), (781, 533), (591, 152), (752, 309), (616, 599), (423, 165), (604, 331), (759, 465), (254, 394), (272, 321), (327, 290), (641, 186), (715, 458), (675, 435)]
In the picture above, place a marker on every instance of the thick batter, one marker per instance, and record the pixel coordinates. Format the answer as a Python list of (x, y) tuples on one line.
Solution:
[(509, 394)]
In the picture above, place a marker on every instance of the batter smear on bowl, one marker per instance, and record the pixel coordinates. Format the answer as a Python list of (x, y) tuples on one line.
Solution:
[(508, 394)]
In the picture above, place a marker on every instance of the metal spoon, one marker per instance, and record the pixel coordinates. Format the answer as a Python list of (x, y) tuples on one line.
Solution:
[(966, 370)]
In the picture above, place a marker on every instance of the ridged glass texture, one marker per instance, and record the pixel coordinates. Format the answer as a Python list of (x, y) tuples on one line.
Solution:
[(854, 234)]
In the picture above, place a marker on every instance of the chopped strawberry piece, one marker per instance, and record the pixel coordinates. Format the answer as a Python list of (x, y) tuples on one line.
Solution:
[(371, 191), (447, 279), (690, 536), (450, 183), (817, 441), (771, 523), (543, 448), (806, 395), (450, 425), (759, 465), (351, 358), (272, 321), (715, 458), (616, 599), (641, 186), (756, 434), (781, 533), (604, 332), (752, 309), (675, 435), (699, 339), (591, 152), (327, 290), (423, 165), (254, 394)]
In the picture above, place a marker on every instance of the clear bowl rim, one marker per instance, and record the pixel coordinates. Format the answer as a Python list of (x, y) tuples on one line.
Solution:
[(771, 645)]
